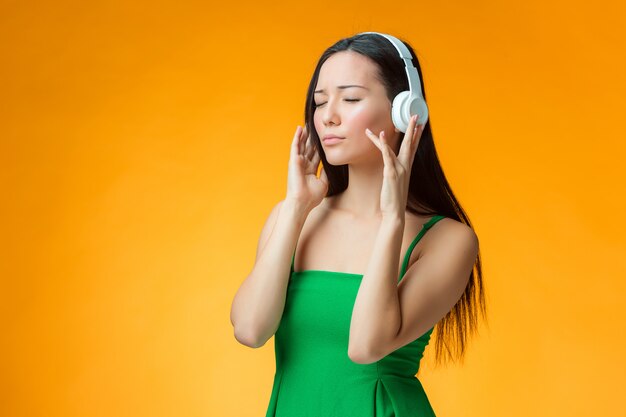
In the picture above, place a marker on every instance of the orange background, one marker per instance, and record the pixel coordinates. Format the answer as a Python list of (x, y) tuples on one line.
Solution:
[(144, 144)]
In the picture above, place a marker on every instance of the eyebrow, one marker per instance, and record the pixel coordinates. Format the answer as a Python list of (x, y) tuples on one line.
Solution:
[(342, 87)]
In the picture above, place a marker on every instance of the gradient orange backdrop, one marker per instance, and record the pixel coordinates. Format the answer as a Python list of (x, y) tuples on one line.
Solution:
[(144, 144)]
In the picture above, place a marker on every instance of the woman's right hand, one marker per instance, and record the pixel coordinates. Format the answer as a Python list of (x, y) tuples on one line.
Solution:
[(303, 186)]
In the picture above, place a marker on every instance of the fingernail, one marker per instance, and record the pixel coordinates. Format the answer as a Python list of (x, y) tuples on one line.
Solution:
[(367, 130)]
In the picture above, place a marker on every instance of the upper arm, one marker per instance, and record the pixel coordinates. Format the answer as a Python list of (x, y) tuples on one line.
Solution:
[(270, 222), (435, 282)]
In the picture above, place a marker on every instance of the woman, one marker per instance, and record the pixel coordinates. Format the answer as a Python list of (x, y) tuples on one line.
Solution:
[(352, 316)]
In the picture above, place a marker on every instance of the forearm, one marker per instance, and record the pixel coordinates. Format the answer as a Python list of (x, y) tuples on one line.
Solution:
[(376, 314), (259, 303)]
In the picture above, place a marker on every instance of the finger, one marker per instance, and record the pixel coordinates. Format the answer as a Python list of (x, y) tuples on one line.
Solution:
[(407, 141), (302, 141), (388, 148), (373, 138), (295, 144), (419, 131), (387, 153), (397, 163), (415, 141), (310, 152), (316, 158)]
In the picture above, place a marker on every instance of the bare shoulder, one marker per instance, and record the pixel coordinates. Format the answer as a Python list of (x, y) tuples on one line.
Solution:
[(448, 233)]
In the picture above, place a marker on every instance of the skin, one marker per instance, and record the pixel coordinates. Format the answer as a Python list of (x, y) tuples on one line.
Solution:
[(358, 208), (335, 115), (366, 229)]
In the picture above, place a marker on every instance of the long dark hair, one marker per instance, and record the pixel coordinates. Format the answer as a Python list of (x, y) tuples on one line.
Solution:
[(429, 191)]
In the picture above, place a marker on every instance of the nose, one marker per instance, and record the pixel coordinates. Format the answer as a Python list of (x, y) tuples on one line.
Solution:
[(329, 113)]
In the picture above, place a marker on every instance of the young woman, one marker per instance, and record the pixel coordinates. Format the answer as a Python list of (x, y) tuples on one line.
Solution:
[(346, 276)]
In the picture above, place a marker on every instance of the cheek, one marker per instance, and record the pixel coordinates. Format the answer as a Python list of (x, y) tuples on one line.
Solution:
[(357, 120), (364, 118)]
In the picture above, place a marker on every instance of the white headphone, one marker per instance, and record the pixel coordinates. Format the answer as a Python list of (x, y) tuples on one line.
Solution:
[(410, 102)]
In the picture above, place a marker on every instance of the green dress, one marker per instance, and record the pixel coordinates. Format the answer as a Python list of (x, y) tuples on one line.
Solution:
[(314, 375)]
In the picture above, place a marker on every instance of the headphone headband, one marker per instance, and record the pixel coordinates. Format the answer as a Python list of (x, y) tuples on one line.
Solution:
[(411, 101), (411, 72)]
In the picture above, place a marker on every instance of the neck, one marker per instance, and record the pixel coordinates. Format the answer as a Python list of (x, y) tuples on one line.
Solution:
[(361, 199)]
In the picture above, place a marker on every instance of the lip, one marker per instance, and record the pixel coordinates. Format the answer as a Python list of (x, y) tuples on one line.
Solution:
[(332, 139)]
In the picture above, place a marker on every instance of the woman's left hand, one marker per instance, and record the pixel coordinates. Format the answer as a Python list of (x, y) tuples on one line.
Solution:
[(397, 170)]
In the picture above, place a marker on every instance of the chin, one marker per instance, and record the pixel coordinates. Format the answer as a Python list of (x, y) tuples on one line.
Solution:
[(336, 162)]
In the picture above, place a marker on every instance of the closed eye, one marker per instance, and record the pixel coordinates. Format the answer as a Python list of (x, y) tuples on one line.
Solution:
[(348, 99)]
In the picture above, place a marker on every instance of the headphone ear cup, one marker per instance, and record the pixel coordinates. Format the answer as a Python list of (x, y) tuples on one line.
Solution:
[(404, 106), (418, 106), (400, 111)]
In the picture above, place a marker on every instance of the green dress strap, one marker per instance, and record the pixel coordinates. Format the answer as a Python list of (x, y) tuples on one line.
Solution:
[(421, 233)]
